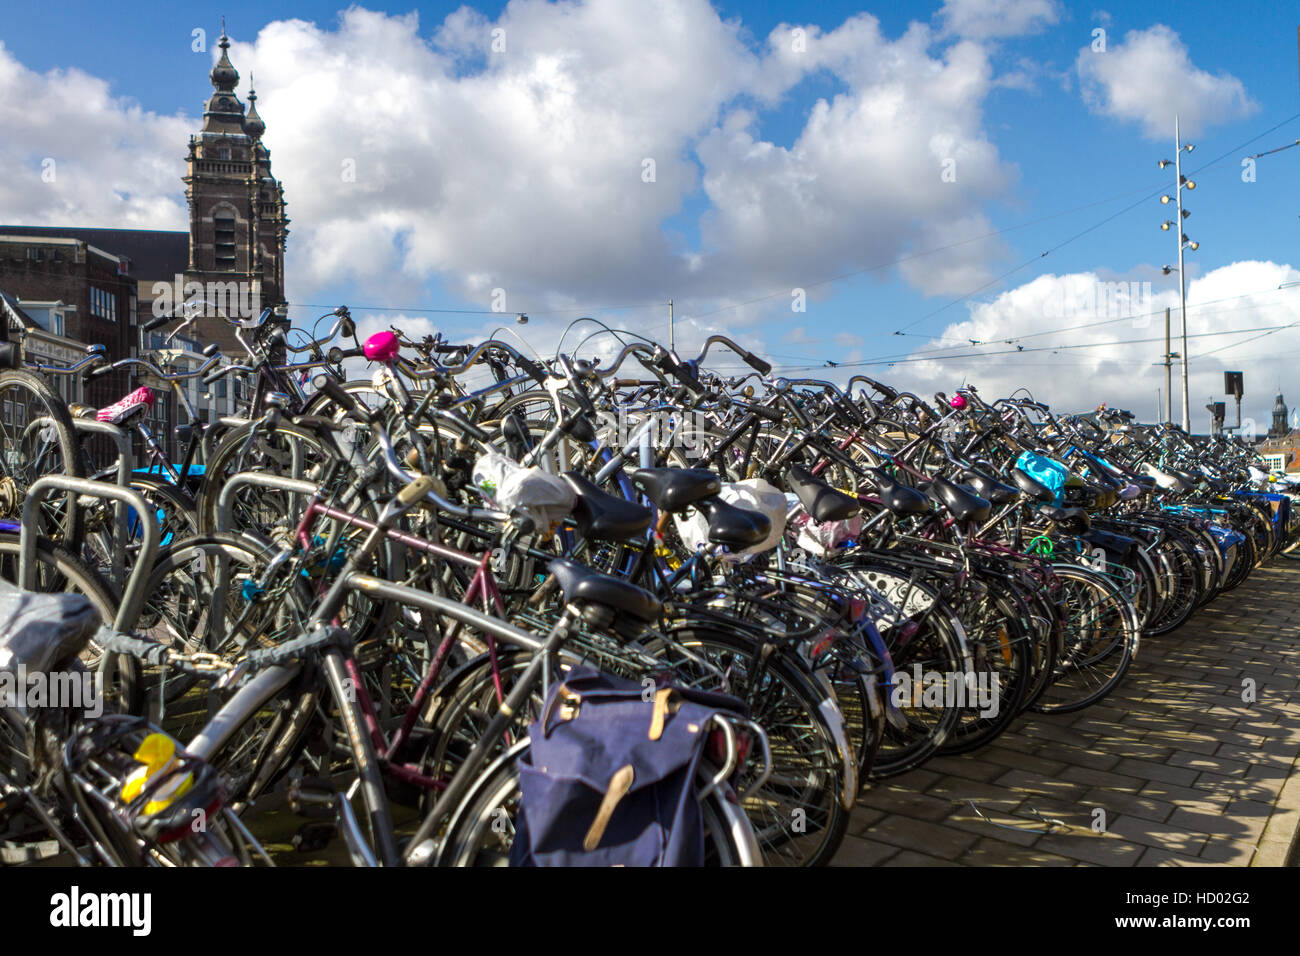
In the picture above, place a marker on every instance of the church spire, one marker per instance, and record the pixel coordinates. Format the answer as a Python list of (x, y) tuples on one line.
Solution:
[(253, 124), (224, 114), (224, 76)]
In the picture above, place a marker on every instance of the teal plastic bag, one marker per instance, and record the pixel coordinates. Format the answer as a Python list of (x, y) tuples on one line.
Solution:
[(1046, 471)]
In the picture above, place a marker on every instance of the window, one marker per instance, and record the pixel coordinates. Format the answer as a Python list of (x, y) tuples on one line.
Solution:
[(103, 304), (224, 241), (35, 254), (1276, 462)]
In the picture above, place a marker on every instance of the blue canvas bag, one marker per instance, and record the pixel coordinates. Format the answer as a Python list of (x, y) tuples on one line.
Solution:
[(610, 777), (1046, 471)]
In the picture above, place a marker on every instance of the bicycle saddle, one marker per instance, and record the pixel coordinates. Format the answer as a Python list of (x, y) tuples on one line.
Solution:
[(1032, 488), (990, 488), (43, 631), (136, 403), (581, 584), (735, 527), (1068, 520), (1132, 490), (602, 516), (960, 503), (820, 500), (900, 499), (1167, 480), (674, 489)]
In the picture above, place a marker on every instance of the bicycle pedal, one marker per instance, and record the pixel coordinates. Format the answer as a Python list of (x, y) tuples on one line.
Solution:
[(312, 797), (16, 853)]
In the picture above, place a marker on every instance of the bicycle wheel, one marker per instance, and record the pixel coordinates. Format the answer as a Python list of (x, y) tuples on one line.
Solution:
[(1099, 641), (482, 829), (206, 594), (923, 635), (287, 451), (37, 439), (1001, 651)]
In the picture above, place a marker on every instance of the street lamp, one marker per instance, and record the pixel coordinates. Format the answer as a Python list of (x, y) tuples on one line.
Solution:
[(1181, 183)]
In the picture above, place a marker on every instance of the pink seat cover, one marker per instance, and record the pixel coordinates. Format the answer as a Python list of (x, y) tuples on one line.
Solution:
[(118, 411)]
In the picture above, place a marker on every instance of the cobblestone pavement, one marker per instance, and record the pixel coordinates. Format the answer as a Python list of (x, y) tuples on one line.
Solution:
[(1173, 769)]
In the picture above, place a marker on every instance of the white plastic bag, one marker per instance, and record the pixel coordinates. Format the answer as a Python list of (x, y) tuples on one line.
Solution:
[(819, 537), (752, 494), (545, 498)]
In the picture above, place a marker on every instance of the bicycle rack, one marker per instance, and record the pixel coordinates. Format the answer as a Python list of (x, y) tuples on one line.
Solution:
[(125, 465), (134, 593), (225, 502)]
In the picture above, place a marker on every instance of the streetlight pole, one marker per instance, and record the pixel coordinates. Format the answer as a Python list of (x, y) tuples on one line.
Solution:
[(1167, 406), (1182, 276), (1183, 243)]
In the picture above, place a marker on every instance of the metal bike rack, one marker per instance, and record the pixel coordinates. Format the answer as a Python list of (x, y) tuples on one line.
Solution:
[(125, 466), (226, 500), (134, 593)]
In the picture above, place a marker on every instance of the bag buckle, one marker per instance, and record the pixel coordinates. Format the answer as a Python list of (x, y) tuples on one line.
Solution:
[(569, 704)]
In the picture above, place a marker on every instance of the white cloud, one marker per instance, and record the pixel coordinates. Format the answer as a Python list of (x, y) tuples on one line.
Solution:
[(73, 154), (986, 19), (1150, 76), (524, 169), (1076, 369)]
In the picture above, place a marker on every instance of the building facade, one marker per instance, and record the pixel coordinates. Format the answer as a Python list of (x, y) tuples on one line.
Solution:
[(238, 227), (69, 287)]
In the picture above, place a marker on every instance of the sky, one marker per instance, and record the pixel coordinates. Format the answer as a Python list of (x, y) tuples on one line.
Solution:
[(925, 193)]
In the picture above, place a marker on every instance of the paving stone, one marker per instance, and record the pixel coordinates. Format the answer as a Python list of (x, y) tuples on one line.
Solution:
[(1102, 778), (912, 858), (1234, 827), (991, 852), (896, 799), (938, 840), (1092, 849), (1007, 824), (1220, 765), (1021, 780), (965, 767), (1118, 802), (862, 818), (855, 851), (1157, 857), (1149, 833), (1219, 850), (1021, 761), (1150, 770)]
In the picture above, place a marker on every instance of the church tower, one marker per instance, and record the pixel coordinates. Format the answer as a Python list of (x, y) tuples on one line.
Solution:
[(238, 226), (1280, 427)]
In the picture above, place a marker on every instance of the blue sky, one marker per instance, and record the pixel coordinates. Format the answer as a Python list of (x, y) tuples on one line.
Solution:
[(1062, 161)]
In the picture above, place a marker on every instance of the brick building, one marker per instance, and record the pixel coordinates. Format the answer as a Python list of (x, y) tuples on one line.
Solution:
[(76, 291), (238, 227), (1281, 448)]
